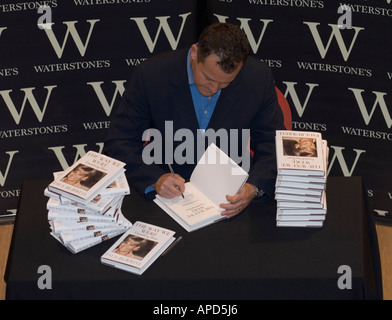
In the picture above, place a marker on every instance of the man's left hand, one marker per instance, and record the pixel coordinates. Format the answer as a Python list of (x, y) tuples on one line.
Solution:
[(239, 202)]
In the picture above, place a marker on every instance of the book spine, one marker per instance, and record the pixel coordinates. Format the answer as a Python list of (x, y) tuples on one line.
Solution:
[(79, 218), (79, 246), (69, 237), (82, 226)]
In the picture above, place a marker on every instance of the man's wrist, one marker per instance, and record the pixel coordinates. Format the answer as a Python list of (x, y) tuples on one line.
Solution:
[(150, 192), (258, 193), (252, 190)]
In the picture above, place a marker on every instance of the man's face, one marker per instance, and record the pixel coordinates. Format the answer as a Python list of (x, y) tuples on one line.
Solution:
[(76, 175), (208, 76), (306, 145)]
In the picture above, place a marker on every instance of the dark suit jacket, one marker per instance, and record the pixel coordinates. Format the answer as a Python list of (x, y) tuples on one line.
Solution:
[(159, 92)]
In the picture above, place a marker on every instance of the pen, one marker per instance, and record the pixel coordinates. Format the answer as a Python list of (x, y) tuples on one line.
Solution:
[(171, 246), (172, 172)]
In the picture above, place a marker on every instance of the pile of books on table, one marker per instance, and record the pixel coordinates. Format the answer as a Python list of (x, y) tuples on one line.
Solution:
[(300, 190), (84, 206)]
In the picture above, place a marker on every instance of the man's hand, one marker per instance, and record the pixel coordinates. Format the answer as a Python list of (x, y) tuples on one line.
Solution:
[(240, 201), (169, 186)]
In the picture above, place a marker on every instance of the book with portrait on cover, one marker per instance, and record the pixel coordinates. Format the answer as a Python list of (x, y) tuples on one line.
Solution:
[(82, 181), (214, 177), (138, 248), (300, 153)]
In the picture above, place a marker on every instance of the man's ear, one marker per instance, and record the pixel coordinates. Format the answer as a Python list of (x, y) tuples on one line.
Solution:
[(194, 52)]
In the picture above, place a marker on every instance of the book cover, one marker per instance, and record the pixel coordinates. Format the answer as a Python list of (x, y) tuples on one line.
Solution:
[(118, 187), (138, 248), (83, 180), (300, 153)]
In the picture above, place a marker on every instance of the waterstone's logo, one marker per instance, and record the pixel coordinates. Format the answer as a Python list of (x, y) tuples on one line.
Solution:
[(184, 153)]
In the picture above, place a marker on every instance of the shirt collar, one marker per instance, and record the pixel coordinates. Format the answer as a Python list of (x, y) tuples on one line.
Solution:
[(190, 73)]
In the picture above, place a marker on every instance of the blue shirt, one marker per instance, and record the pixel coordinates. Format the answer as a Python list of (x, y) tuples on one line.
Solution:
[(204, 106)]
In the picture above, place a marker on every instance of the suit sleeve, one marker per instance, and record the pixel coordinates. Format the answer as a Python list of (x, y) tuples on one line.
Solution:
[(263, 170), (125, 143)]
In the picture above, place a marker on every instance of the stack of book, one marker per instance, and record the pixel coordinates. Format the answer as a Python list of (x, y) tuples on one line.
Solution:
[(300, 189), (84, 206)]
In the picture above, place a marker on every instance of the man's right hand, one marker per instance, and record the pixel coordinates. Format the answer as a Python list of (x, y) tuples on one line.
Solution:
[(169, 186)]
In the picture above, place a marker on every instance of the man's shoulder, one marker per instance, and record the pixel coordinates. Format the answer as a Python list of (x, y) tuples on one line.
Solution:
[(254, 64), (256, 70), (165, 59)]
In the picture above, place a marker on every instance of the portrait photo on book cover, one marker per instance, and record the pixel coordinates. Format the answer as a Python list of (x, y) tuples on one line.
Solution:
[(83, 177), (299, 147), (135, 247)]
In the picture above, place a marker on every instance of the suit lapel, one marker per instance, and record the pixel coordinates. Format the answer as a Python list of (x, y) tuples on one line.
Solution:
[(224, 107)]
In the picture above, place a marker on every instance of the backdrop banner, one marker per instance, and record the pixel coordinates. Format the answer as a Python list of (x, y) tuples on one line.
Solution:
[(332, 61), (64, 66)]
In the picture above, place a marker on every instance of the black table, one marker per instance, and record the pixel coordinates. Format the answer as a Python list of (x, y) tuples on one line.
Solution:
[(247, 257)]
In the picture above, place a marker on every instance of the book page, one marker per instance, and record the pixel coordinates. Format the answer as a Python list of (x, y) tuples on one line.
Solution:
[(216, 175), (194, 208)]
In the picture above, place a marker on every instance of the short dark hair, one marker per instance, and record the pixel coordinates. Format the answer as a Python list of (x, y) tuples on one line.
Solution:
[(225, 40)]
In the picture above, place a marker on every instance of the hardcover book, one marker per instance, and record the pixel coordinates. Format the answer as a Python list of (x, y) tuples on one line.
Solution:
[(302, 224), (70, 237), (118, 188), (79, 245), (99, 206), (83, 180), (299, 185), (300, 153), (138, 248), (214, 177)]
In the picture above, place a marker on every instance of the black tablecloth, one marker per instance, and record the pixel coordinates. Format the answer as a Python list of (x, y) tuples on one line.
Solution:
[(246, 257)]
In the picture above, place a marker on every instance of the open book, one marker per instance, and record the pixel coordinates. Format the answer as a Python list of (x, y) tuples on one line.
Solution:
[(214, 177)]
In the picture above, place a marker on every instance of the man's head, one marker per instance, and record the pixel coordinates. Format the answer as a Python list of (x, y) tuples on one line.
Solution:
[(219, 56), (228, 42)]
